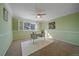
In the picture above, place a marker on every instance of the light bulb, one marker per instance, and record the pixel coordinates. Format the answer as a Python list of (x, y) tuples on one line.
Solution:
[(38, 16)]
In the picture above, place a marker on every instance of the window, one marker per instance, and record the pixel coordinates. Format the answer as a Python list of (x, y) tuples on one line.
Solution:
[(32, 26), (21, 26), (24, 26)]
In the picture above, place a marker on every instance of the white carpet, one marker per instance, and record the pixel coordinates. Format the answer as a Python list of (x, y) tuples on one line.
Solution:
[(28, 47)]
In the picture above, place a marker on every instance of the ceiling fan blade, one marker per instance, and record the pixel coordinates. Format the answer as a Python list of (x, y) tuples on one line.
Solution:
[(41, 14)]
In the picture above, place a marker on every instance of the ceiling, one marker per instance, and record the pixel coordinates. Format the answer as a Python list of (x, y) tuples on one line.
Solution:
[(52, 10)]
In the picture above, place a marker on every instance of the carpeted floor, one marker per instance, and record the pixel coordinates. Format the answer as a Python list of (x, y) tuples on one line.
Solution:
[(57, 48)]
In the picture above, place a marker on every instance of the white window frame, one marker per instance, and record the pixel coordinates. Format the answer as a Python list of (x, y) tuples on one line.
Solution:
[(23, 26)]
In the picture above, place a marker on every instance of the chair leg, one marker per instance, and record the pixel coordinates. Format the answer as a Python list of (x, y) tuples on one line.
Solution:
[(33, 41)]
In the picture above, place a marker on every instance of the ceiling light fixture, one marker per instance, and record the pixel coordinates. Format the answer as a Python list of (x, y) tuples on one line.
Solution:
[(39, 12), (38, 16)]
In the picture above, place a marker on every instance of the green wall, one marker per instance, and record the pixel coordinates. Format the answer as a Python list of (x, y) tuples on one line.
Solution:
[(17, 34), (20, 34), (67, 28), (14, 24), (5, 32)]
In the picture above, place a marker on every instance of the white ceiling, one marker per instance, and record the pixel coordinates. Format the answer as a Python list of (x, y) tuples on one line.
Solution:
[(52, 10)]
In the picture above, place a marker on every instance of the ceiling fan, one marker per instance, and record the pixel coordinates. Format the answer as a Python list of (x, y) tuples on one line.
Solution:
[(40, 12)]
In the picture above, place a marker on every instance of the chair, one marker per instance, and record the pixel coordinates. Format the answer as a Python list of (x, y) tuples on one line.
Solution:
[(43, 34), (33, 36)]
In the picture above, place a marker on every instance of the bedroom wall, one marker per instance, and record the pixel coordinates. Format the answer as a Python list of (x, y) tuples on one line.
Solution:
[(5, 31), (17, 34), (67, 28)]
